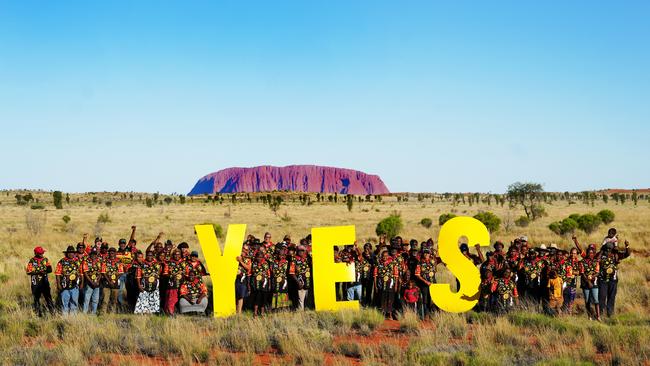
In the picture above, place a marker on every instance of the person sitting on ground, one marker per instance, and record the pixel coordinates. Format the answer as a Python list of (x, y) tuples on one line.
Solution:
[(193, 295)]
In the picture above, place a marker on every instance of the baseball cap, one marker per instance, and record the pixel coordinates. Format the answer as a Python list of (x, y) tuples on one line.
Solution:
[(39, 250)]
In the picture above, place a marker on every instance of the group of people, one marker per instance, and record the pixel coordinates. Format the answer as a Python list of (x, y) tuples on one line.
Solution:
[(99, 278), (394, 275)]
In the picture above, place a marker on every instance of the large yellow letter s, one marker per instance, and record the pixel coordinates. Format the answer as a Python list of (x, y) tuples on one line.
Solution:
[(466, 272)]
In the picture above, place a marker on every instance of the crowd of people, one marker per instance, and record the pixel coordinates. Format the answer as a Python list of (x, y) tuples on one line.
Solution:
[(394, 275)]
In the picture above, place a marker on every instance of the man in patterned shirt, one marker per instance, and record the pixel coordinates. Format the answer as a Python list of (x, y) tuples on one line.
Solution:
[(111, 271), (301, 275), (173, 273), (38, 268), (608, 276), (68, 280), (92, 267), (386, 283)]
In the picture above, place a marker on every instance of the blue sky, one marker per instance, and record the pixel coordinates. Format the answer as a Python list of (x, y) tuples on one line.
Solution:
[(431, 96)]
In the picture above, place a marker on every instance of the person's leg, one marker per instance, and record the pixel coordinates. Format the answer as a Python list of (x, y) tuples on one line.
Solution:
[(587, 295), (612, 288), (390, 302), (350, 293), (104, 300), (121, 295), (94, 299), (595, 300), (47, 295), (86, 302), (302, 294), (36, 294), (74, 300), (65, 301), (602, 296), (358, 292)]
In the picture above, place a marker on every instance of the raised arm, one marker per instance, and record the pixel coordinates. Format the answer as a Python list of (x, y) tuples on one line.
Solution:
[(575, 242), (480, 253), (132, 238)]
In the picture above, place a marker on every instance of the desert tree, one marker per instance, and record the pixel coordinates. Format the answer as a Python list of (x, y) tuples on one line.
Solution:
[(58, 199), (527, 195)]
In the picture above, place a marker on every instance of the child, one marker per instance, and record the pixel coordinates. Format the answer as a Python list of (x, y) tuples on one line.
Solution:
[(555, 298), (412, 296)]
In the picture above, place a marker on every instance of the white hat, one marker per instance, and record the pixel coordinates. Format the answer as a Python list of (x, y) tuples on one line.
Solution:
[(543, 246), (524, 238), (554, 246)]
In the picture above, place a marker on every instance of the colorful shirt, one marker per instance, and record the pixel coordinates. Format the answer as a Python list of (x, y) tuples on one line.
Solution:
[(174, 271), (92, 268), (426, 270), (279, 270), (387, 275), (149, 273), (608, 269), (505, 289), (299, 267), (38, 268), (260, 276), (589, 268), (70, 272), (193, 289), (113, 269)]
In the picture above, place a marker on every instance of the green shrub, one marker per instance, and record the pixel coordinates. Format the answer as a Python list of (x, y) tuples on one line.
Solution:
[(522, 221), (564, 227), (38, 206), (445, 217), (606, 216), (103, 218), (66, 219), (588, 223), (426, 222), (490, 220), (390, 226), (58, 199)]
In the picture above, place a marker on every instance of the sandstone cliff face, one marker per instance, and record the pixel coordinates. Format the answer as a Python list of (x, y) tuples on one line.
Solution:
[(298, 178)]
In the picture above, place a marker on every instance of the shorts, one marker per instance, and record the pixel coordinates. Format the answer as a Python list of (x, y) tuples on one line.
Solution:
[(241, 290)]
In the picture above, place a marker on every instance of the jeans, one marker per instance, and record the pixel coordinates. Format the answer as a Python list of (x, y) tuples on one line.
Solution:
[(70, 300), (354, 292), (591, 298), (91, 299), (122, 291)]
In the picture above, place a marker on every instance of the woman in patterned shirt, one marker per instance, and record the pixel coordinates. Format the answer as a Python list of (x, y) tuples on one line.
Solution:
[(148, 278), (260, 283)]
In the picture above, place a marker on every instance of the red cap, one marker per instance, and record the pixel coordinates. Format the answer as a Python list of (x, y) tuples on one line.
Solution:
[(39, 250)]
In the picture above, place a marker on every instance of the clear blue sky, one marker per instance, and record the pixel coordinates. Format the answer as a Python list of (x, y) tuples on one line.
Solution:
[(431, 96)]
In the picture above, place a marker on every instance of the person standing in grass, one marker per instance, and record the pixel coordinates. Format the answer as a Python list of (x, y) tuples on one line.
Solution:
[(385, 283), (608, 276), (279, 282), (68, 280), (260, 283), (242, 283), (555, 297), (300, 272), (531, 271), (589, 270), (173, 272), (353, 256), (425, 272), (125, 256), (485, 302), (148, 280), (92, 267), (193, 295), (412, 296), (366, 263), (111, 271), (572, 273), (38, 269)]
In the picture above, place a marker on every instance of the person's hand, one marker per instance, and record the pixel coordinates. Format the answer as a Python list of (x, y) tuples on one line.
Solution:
[(574, 238), (161, 233), (133, 227), (85, 235), (477, 245), (627, 244)]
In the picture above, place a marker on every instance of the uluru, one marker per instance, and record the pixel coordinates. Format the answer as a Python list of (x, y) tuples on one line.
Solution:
[(295, 178)]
